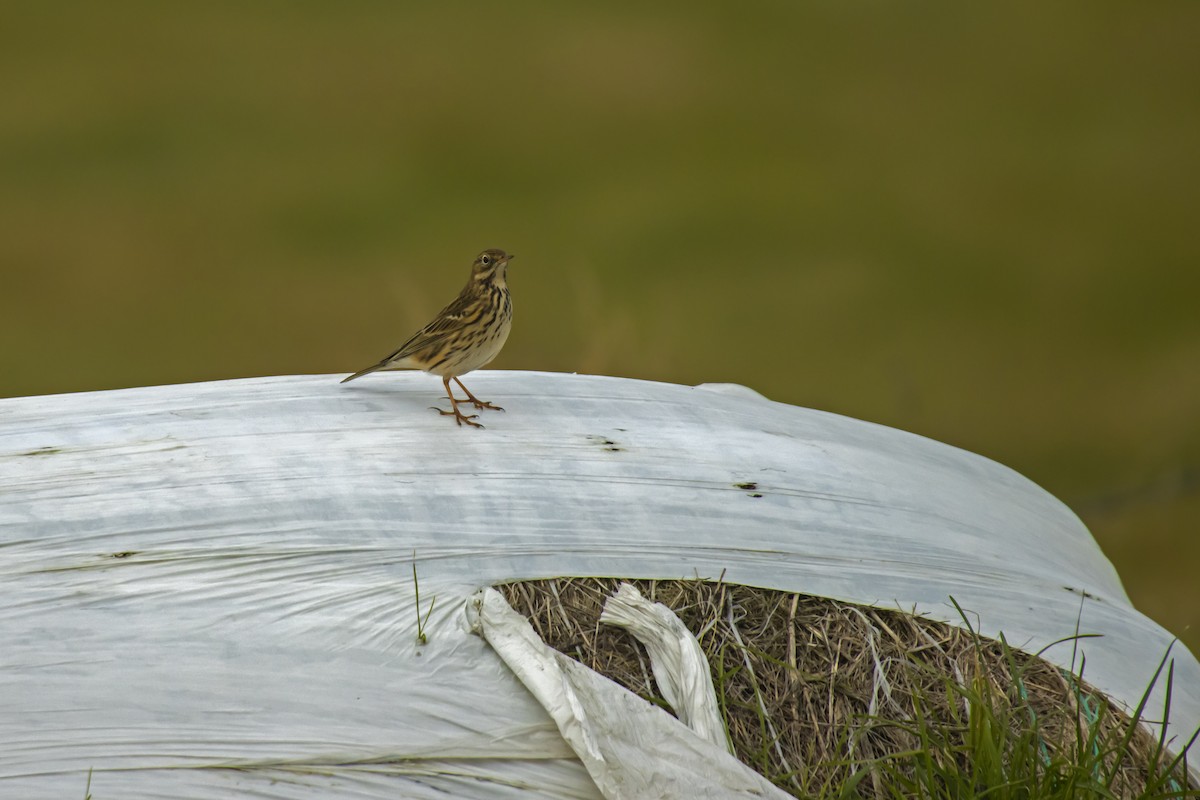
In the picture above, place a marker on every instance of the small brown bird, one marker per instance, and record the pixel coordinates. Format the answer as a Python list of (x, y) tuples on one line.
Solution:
[(464, 336)]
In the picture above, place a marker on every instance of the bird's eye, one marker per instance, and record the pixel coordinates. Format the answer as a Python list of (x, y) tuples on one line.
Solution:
[(485, 260)]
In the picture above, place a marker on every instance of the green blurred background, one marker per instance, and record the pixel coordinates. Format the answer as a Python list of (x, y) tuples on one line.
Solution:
[(974, 222)]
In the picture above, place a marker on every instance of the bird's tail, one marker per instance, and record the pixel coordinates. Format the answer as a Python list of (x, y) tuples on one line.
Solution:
[(366, 371)]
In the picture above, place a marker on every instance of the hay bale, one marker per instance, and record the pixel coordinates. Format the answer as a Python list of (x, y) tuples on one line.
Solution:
[(210, 589)]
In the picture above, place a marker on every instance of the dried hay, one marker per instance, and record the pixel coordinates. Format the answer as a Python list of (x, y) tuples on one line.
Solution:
[(818, 695)]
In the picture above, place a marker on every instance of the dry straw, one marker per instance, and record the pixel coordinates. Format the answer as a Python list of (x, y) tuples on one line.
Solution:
[(829, 699)]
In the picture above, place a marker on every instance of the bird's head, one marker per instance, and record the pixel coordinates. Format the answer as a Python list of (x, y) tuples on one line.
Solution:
[(491, 266)]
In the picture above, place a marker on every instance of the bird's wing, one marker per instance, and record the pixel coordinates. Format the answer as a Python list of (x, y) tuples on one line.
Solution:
[(450, 320)]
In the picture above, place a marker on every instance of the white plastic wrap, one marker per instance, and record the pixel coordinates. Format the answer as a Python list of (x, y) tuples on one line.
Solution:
[(632, 749), (680, 668), (206, 590)]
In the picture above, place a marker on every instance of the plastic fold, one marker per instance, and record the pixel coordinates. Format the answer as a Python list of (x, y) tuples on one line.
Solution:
[(631, 749)]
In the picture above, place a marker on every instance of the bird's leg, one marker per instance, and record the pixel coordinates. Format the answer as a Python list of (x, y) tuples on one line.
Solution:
[(459, 417), (475, 400)]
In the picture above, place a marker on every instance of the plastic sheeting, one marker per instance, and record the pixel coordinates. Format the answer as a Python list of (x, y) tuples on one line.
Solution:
[(632, 749), (207, 589), (681, 670)]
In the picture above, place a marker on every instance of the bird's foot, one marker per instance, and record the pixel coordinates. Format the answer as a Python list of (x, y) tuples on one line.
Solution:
[(479, 404), (459, 417)]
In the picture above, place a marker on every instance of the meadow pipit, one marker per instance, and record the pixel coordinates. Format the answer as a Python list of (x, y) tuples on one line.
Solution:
[(464, 336)]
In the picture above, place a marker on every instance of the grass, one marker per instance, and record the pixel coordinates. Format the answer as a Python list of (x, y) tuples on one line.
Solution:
[(421, 621), (999, 746), (832, 700)]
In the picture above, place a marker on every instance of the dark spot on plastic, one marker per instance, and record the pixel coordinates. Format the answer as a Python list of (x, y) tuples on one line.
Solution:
[(606, 443), (749, 485), (43, 451), (124, 554)]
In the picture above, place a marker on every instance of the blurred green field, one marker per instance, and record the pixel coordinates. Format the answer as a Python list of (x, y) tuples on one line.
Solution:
[(973, 222)]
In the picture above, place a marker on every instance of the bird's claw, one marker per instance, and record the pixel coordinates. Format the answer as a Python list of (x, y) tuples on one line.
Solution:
[(459, 417)]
